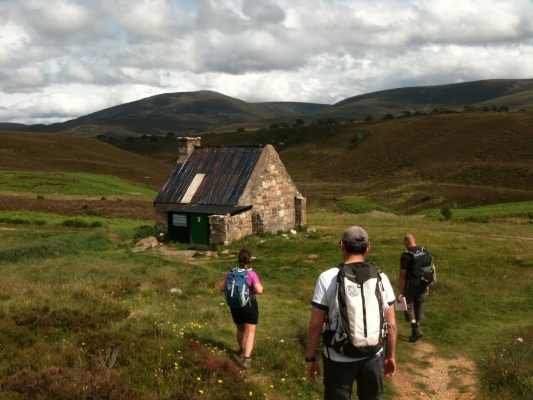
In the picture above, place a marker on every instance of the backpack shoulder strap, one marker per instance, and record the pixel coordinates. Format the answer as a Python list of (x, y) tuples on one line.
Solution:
[(340, 266)]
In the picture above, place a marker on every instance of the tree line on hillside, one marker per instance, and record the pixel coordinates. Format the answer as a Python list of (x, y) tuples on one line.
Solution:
[(324, 122)]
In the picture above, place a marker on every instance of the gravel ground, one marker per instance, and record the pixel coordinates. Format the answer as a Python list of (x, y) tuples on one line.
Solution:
[(443, 379)]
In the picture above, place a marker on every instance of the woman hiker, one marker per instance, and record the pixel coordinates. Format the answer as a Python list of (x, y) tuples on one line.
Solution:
[(245, 317)]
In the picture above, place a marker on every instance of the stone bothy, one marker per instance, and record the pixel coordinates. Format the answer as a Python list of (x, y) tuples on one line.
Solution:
[(218, 194)]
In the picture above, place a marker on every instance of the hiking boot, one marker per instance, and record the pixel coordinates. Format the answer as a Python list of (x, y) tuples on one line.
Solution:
[(246, 363), (416, 334)]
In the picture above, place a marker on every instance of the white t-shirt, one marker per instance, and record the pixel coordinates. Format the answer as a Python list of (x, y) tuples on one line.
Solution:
[(324, 298)]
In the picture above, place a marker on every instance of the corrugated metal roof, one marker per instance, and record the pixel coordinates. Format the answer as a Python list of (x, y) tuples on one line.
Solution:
[(226, 170)]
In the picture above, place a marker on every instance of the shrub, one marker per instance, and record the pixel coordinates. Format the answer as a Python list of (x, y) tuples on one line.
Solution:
[(146, 230), (15, 221), (446, 212), (357, 139), (75, 223), (40, 197)]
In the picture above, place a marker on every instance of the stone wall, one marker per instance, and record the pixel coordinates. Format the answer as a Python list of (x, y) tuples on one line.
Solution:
[(272, 193), (161, 217), (300, 210), (225, 228)]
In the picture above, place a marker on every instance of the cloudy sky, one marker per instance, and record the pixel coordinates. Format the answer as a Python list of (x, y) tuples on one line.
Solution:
[(61, 59)]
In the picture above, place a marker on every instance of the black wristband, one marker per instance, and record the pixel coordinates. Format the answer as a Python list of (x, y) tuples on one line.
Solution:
[(312, 359)]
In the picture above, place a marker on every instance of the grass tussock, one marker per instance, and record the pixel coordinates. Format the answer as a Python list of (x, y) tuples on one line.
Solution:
[(507, 369)]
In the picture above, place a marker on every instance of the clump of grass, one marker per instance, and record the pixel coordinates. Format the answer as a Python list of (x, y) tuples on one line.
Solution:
[(507, 370), (144, 231), (34, 251), (81, 223), (76, 223), (67, 383), (15, 220)]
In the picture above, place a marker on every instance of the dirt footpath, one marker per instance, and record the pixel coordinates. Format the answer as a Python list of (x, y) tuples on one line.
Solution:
[(437, 378)]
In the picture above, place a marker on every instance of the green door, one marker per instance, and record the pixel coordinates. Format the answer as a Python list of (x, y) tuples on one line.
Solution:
[(199, 224)]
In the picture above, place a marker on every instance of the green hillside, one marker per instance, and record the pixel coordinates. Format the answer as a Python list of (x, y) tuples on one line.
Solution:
[(23, 151), (406, 164)]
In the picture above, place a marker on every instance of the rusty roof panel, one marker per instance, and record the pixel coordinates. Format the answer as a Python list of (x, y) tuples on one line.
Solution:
[(226, 170)]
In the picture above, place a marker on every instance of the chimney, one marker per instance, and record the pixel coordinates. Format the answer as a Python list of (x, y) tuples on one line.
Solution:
[(186, 146)]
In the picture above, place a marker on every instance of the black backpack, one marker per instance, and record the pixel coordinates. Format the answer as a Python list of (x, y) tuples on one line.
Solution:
[(421, 271)]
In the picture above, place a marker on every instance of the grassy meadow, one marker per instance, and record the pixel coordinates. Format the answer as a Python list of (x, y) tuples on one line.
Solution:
[(82, 316)]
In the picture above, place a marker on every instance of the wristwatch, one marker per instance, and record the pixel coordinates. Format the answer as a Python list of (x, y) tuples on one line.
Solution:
[(312, 359)]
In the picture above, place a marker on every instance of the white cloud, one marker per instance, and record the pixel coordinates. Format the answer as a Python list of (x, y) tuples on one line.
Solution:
[(96, 54)]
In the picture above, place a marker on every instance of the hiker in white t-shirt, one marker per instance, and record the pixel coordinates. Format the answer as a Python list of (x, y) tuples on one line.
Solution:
[(341, 371)]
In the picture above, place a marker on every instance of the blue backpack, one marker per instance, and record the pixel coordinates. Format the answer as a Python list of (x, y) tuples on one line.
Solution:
[(237, 289)]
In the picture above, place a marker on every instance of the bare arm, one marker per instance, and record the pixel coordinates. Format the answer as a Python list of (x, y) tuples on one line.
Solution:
[(313, 338), (258, 288), (222, 286), (401, 282), (389, 364)]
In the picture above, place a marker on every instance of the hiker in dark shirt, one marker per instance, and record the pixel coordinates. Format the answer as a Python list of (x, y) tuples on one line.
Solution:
[(415, 296)]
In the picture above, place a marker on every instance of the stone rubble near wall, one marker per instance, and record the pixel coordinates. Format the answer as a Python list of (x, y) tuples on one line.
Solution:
[(145, 244)]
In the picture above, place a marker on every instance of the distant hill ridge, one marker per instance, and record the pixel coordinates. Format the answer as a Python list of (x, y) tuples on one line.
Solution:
[(204, 111)]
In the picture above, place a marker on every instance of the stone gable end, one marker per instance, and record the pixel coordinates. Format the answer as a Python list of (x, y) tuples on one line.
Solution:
[(272, 193)]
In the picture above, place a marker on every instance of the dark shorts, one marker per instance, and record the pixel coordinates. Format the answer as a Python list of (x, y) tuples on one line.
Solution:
[(340, 376), (248, 314), (416, 303)]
